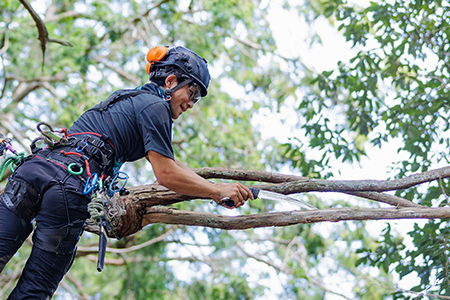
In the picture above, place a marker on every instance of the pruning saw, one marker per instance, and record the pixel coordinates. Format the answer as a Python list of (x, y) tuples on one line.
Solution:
[(268, 195)]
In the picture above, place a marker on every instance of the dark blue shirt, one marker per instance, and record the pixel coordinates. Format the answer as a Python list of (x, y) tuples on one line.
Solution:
[(142, 123)]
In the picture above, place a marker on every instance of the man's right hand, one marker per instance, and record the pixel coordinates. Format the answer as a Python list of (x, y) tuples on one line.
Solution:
[(236, 192)]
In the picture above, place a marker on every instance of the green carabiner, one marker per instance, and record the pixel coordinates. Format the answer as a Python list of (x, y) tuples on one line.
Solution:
[(71, 171)]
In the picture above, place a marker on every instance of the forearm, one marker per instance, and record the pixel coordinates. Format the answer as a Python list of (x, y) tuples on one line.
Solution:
[(184, 167), (188, 183), (179, 178)]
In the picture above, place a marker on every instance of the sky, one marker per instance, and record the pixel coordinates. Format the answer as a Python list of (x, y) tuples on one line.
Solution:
[(291, 42)]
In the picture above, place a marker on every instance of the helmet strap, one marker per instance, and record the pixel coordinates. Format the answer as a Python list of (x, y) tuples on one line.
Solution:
[(168, 92)]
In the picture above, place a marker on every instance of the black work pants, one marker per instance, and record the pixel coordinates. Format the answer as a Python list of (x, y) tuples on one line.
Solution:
[(59, 224)]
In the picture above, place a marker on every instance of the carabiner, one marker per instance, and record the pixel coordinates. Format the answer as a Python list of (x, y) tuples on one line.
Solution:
[(80, 149), (114, 185), (49, 133), (49, 127), (91, 184)]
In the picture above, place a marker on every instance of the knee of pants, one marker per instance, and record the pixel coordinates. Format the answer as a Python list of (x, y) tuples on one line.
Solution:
[(60, 240), (41, 275)]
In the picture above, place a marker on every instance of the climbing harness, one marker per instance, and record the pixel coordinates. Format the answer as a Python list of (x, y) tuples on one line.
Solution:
[(90, 157)]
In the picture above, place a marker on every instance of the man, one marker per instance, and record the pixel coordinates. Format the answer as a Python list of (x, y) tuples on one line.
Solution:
[(54, 185)]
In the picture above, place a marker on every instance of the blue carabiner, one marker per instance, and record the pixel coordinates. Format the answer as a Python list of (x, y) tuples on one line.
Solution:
[(91, 184), (113, 186), (80, 149)]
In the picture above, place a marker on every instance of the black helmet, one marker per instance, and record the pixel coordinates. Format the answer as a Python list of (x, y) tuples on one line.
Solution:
[(164, 62)]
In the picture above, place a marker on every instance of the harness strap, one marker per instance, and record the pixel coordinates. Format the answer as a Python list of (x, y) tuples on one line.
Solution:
[(118, 96), (114, 98), (82, 156)]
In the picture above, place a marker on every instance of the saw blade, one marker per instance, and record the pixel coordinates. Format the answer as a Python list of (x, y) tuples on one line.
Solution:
[(267, 195)]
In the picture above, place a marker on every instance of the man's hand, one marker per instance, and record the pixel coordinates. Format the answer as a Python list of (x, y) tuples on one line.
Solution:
[(235, 192)]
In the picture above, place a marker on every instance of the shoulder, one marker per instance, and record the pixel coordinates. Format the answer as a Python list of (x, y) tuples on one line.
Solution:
[(150, 102)]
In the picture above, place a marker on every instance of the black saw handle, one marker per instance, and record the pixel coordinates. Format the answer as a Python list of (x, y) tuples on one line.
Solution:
[(230, 203), (103, 239)]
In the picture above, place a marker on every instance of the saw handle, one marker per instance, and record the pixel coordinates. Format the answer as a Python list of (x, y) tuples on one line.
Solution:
[(103, 239), (230, 203)]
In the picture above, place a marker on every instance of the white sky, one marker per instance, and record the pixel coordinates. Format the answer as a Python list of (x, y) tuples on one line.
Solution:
[(290, 39)]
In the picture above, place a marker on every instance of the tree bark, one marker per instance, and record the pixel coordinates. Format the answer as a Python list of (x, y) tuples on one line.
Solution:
[(146, 204), (172, 216)]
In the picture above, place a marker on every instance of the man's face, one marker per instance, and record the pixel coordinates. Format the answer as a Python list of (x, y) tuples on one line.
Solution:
[(183, 98), (180, 101)]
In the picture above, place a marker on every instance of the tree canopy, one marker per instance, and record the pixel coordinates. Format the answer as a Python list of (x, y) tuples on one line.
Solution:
[(60, 57)]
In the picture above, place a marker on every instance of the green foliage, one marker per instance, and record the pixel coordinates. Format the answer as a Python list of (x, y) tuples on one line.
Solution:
[(395, 86), (398, 73), (228, 286)]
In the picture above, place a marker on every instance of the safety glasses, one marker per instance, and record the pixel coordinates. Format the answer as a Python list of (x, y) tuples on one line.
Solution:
[(194, 92)]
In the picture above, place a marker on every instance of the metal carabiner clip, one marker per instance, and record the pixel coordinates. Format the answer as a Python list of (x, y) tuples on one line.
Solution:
[(50, 138), (91, 184), (80, 149)]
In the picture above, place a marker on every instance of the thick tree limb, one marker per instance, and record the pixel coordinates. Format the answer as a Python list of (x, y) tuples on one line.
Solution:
[(294, 184), (172, 216), (144, 204), (360, 188), (141, 200)]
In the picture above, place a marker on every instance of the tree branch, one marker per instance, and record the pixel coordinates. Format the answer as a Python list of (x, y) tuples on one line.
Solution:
[(78, 285), (82, 251), (135, 80), (5, 44), (27, 86), (43, 32), (293, 184), (144, 14), (143, 204), (172, 216)]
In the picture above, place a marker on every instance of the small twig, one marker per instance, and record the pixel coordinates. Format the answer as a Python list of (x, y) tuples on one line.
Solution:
[(84, 250), (148, 11), (5, 45), (441, 185), (78, 285), (43, 32)]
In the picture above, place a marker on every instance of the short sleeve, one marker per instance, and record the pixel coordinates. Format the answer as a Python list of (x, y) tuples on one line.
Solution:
[(155, 124)]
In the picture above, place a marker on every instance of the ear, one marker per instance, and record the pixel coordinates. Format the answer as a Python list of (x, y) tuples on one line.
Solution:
[(171, 81)]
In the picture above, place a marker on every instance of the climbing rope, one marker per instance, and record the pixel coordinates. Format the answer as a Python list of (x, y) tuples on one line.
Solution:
[(105, 204), (96, 207), (12, 161)]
